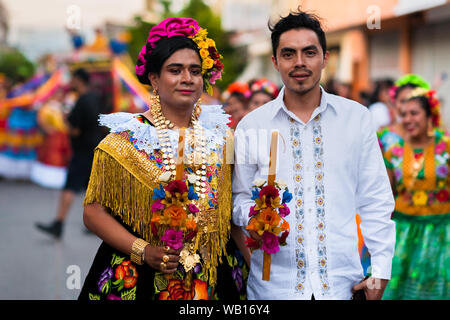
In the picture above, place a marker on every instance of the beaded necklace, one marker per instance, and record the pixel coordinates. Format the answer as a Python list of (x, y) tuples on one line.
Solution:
[(196, 139)]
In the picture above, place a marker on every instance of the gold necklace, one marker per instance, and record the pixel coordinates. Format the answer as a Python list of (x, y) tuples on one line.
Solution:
[(197, 140)]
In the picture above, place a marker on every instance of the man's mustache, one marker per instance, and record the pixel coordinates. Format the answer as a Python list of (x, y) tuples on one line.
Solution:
[(300, 70)]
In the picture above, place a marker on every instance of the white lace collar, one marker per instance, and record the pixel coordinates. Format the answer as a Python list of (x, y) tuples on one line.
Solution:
[(213, 119)]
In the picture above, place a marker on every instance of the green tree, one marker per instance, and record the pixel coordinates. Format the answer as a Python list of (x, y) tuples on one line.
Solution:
[(233, 60), (15, 65), (139, 34)]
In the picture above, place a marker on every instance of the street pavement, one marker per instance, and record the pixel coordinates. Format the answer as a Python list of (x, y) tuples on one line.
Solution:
[(33, 265)]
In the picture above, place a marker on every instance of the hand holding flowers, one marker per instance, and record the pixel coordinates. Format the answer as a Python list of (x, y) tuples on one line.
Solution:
[(174, 219)]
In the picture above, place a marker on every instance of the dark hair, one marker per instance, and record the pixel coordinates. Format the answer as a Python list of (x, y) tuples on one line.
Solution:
[(405, 86), (424, 104), (165, 47), (82, 74), (384, 84), (297, 20), (240, 97), (260, 91)]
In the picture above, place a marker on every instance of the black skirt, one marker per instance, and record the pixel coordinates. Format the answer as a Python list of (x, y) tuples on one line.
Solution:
[(114, 277)]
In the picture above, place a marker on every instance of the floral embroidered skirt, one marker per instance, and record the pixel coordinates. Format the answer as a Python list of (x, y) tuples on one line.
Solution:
[(114, 277), (421, 265)]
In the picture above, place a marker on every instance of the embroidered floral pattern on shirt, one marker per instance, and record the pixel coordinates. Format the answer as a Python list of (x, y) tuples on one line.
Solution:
[(320, 204), (299, 208)]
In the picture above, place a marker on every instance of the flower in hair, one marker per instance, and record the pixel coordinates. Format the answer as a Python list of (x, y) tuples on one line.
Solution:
[(266, 86), (432, 100), (237, 86), (211, 59), (413, 79)]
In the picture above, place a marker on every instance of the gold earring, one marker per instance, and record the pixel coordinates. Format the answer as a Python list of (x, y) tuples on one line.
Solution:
[(156, 104), (198, 108)]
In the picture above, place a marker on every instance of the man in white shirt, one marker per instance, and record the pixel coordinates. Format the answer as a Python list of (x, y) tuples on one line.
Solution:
[(329, 157)]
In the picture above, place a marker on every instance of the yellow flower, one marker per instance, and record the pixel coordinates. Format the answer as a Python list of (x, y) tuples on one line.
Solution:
[(207, 63), (211, 42), (204, 53), (420, 198), (202, 33), (202, 45)]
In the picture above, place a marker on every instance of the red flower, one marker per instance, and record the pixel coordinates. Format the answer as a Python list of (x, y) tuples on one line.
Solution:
[(442, 195), (211, 51), (270, 243), (176, 186), (127, 272), (154, 229), (252, 212), (251, 243), (190, 235), (175, 291), (283, 237), (270, 192)]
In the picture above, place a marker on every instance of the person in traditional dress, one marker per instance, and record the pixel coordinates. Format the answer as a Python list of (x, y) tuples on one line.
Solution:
[(262, 91), (380, 104), (85, 134), (236, 101), (331, 162), (53, 155), (418, 167), (138, 186), (392, 133)]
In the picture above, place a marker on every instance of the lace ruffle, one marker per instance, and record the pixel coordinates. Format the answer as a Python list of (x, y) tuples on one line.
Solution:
[(213, 119)]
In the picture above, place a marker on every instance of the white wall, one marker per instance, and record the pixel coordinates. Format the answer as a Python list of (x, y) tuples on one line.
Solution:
[(431, 58)]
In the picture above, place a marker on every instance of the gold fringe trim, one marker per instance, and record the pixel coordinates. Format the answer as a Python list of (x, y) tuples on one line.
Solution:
[(123, 179)]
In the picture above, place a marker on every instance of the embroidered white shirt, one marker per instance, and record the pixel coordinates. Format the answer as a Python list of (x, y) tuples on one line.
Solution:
[(333, 166)]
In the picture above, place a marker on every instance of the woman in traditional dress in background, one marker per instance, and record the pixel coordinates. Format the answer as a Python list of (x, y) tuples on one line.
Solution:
[(418, 167)]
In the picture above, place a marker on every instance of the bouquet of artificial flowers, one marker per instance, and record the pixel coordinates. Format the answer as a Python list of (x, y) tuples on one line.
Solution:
[(267, 218), (174, 219)]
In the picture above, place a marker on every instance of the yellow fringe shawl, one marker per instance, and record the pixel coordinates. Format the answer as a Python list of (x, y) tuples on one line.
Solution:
[(123, 179)]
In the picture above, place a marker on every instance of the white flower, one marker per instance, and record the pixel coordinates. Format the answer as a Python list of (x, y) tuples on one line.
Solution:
[(281, 183), (192, 178), (165, 176), (259, 182), (184, 253), (188, 260)]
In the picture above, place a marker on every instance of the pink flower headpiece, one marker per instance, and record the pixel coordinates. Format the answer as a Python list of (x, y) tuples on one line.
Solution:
[(266, 86), (237, 86), (186, 27)]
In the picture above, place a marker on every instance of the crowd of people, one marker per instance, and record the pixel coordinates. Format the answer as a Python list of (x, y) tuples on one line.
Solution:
[(181, 229)]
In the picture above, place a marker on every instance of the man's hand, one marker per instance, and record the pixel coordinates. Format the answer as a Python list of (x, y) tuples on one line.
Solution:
[(255, 236), (373, 288)]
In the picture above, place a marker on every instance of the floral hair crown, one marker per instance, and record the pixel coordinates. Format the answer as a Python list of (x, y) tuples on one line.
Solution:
[(432, 100), (212, 66), (408, 79), (237, 86), (266, 86)]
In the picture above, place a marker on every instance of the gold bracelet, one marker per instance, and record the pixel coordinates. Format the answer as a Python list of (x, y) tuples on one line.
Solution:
[(138, 250)]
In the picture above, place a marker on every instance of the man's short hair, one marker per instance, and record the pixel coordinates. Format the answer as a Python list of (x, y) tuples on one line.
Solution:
[(82, 74), (297, 20)]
